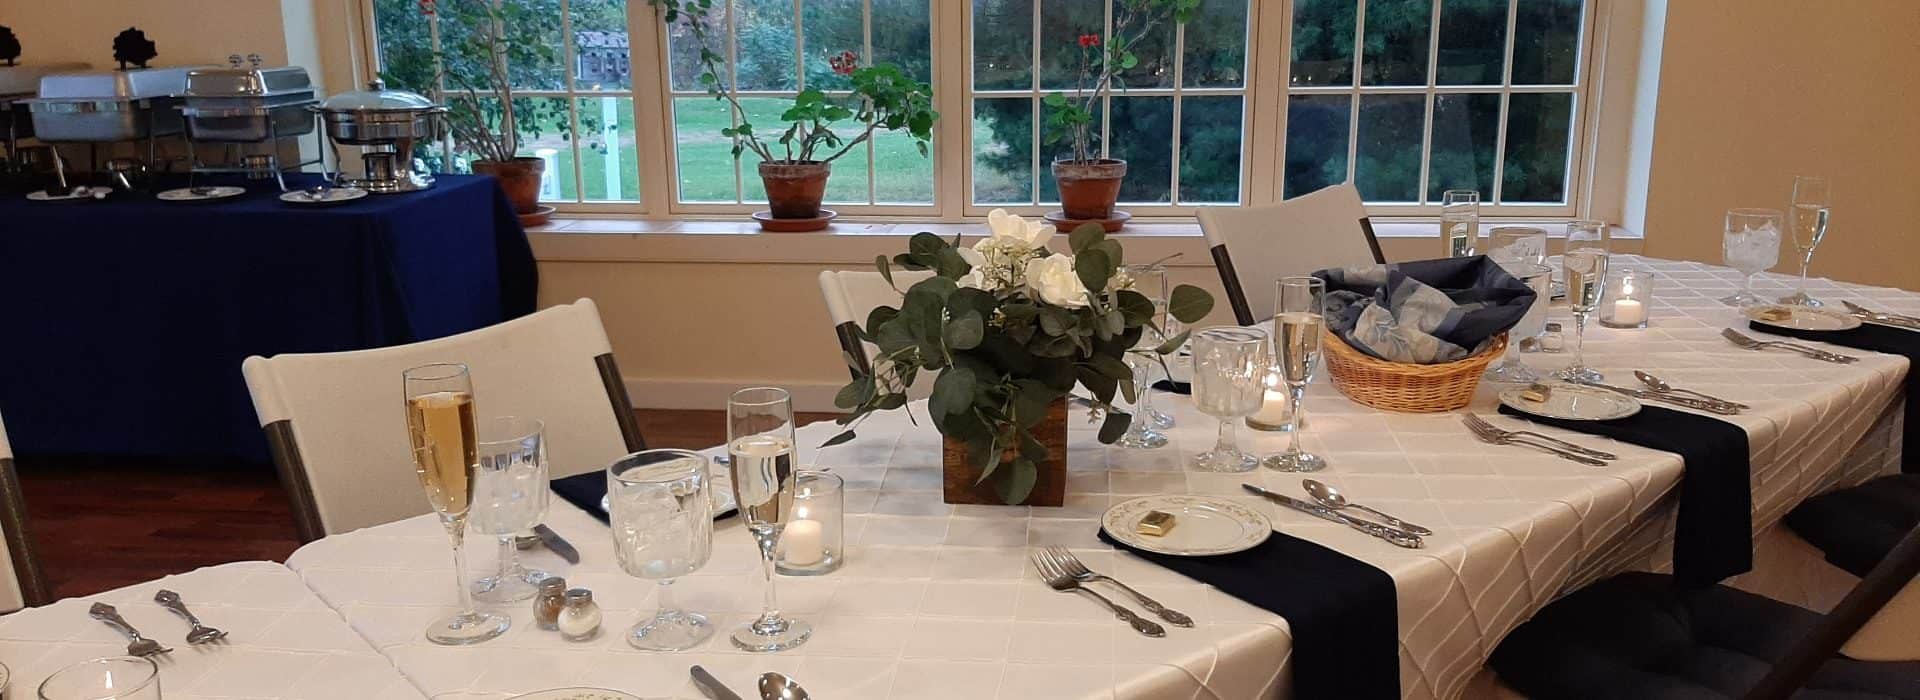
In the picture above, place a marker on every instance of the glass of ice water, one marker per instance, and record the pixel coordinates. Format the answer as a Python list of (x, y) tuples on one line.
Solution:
[(1751, 245), (1230, 366), (662, 521), (509, 498)]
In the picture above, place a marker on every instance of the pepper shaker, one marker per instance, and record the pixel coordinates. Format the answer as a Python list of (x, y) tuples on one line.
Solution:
[(550, 601), (580, 620)]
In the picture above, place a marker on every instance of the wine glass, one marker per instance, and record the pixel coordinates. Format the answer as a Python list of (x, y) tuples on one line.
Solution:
[(111, 678), (1522, 252), (440, 427), (1810, 200), (1297, 324), (1229, 382), (1459, 221), (510, 497), (1585, 267), (1751, 245), (760, 443), (1151, 280), (662, 520)]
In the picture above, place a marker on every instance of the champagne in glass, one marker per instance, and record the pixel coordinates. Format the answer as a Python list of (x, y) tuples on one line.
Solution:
[(1586, 273), (1809, 225), (1229, 382), (1297, 325), (760, 442), (510, 498), (445, 446)]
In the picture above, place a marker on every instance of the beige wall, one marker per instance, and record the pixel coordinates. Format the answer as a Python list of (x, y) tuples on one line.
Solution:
[(186, 32), (1752, 92)]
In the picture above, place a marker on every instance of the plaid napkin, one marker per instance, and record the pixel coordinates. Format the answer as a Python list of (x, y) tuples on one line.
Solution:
[(1426, 311)]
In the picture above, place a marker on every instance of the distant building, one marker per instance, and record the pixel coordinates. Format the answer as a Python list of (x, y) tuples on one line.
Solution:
[(601, 57)]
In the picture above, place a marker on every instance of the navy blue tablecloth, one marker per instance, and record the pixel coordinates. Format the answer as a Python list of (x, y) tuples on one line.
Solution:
[(126, 320)]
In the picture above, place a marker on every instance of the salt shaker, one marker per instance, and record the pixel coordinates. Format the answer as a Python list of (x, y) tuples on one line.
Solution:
[(580, 620), (549, 602)]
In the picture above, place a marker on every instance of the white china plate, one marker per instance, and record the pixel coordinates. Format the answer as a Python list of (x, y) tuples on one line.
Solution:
[(1203, 526), (719, 489), (186, 194), (331, 195), (42, 196), (1571, 402), (1804, 318), (576, 694)]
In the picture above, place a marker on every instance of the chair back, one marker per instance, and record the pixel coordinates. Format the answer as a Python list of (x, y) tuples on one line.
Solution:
[(21, 581), (850, 297), (1254, 246), (337, 428), (1886, 579)]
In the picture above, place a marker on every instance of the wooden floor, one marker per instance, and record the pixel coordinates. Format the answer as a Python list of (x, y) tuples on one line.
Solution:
[(102, 525)]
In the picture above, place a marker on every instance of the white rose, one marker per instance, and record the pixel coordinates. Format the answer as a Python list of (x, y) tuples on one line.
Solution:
[(975, 278), (1053, 280), (1007, 228)]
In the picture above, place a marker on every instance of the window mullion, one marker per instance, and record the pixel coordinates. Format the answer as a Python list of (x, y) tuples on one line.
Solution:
[(1353, 112), (573, 105), (866, 51), (1432, 101), (1033, 107), (1179, 59), (733, 117), (1506, 97)]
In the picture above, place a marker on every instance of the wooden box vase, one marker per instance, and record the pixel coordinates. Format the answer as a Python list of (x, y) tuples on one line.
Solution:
[(1049, 486)]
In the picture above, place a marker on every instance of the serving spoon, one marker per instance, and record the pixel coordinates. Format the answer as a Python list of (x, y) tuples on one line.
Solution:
[(1332, 498)]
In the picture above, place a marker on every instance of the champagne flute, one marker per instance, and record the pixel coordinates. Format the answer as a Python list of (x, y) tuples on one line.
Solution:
[(1585, 267), (446, 457), (760, 443), (510, 497), (1459, 221), (1297, 325), (1229, 382), (1810, 199), (1751, 244), (1151, 280), (662, 521)]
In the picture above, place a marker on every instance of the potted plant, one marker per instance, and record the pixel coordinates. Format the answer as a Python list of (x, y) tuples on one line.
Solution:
[(794, 165), (1011, 327), (1089, 183)]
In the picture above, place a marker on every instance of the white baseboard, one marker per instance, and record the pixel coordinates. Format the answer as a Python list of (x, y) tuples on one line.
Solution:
[(711, 394)]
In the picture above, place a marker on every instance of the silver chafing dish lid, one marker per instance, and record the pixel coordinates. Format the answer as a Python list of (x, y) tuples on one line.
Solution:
[(377, 98), (16, 81), (252, 80), (138, 84)]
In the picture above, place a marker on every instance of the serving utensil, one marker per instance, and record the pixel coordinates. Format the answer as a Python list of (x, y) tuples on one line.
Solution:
[(1708, 405), (136, 645), (1495, 436), (1882, 318), (777, 686), (1079, 571), (711, 686), (1477, 423), (1660, 385), (1394, 536), (1058, 579), (200, 634), (1331, 497), (1737, 338)]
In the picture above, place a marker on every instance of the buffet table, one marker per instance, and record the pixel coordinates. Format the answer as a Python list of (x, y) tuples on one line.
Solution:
[(130, 316), (938, 601)]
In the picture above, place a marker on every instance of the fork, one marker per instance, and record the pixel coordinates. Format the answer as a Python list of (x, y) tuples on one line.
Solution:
[(136, 644), (1072, 566), (1058, 579), (1477, 423), (200, 634), (1743, 341), (1495, 436)]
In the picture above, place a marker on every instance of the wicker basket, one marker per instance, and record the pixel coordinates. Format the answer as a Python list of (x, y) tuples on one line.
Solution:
[(1408, 388)]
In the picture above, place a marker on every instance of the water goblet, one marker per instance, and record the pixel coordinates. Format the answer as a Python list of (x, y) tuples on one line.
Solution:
[(1751, 244), (1522, 252), (440, 428), (1297, 324), (510, 497), (1229, 382), (760, 445), (111, 678), (1809, 226), (662, 521)]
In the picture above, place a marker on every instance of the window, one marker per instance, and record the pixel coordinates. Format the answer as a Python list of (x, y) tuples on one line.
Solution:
[(1490, 101)]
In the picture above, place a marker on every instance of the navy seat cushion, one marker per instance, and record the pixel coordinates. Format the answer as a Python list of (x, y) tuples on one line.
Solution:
[(1636, 636), (1857, 526)]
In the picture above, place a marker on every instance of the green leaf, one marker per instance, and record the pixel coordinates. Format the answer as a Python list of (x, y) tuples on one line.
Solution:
[(891, 401), (886, 271), (1134, 306), (1173, 344), (1085, 236), (965, 331), (894, 336), (844, 436), (1189, 304), (1128, 61), (1110, 367), (1055, 99), (1114, 427), (949, 264), (1055, 321), (855, 393), (1031, 400), (1094, 270), (1097, 382), (924, 246), (983, 452), (952, 391), (1018, 483), (878, 317)]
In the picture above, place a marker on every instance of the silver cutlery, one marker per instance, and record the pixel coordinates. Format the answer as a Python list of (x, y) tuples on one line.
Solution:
[(711, 686), (1474, 421), (1495, 436), (136, 644), (1661, 386), (777, 686), (1708, 405), (1882, 318), (1079, 571), (1058, 579), (1394, 536), (558, 544), (200, 634), (1332, 498), (1743, 341)]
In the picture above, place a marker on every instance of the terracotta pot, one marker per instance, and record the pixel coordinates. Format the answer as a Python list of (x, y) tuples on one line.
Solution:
[(794, 190), (1049, 486), (520, 178), (1088, 188)]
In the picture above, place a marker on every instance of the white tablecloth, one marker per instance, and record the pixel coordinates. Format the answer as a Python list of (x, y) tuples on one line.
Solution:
[(282, 642), (938, 601)]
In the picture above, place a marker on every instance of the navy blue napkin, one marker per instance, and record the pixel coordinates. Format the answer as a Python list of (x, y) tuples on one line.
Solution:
[(586, 490), (1713, 535), (1878, 338), (1170, 386), (1344, 613)]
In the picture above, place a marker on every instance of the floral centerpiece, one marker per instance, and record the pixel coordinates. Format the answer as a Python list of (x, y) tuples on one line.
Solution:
[(1011, 327)]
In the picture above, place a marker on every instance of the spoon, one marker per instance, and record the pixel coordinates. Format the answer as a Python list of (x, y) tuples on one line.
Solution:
[(1332, 498), (1660, 386), (775, 686)]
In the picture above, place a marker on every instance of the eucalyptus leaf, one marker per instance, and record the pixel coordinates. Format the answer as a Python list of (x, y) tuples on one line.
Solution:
[(1189, 304), (890, 402), (1134, 306), (1085, 236), (886, 271), (1173, 344), (924, 247), (855, 393), (1114, 427), (844, 436), (1094, 269), (966, 331), (952, 391), (1018, 484), (1110, 367)]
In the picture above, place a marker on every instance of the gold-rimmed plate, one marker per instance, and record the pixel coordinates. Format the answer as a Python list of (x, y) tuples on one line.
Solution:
[(1572, 402), (1803, 318), (1203, 526)]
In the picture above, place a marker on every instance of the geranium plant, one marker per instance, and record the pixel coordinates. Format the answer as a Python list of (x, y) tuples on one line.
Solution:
[(1011, 327), (1100, 61)]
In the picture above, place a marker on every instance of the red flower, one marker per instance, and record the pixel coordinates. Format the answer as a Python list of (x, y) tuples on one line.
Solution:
[(844, 62), (1088, 41), (427, 7)]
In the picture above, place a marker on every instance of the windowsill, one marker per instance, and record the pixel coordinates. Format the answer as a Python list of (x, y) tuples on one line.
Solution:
[(852, 226)]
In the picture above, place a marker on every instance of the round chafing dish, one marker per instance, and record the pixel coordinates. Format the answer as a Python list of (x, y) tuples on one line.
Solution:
[(378, 116)]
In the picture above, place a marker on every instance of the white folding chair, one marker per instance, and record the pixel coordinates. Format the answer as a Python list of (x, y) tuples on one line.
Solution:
[(1321, 229), (22, 583), (336, 426), (851, 296)]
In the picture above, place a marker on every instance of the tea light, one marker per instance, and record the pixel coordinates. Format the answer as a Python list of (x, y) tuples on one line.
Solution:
[(1626, 299), (1275, 410), (802, 542), (812, 542)]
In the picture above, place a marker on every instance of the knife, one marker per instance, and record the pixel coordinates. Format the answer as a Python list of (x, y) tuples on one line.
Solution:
[(1400, 538), (710, 685), (1885, 319), (558, 544)]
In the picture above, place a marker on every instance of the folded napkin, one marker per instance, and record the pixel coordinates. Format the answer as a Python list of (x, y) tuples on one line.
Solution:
[(1713, 536), (585, 491), (1344, 613), (1171, 386), (1885, 339), (1426, 311)]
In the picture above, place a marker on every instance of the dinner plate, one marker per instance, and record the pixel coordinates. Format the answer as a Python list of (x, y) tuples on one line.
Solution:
[(1572, 402), (1203, 526), (331, 195), (91, 193), (719, 490), (208, 194), (1804, 318), (576, 694)]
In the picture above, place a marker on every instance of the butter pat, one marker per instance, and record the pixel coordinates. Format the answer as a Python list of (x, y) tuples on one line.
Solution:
[(1775, 313), (1537, 393), (1155, 524)]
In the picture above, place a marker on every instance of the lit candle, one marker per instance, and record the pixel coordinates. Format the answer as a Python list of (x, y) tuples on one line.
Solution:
[(1629, 312), (802, 542), (1273, 411)]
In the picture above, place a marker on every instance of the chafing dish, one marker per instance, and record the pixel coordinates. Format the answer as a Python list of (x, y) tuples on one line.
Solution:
[(17, 85), (386, 124), (247, 104), (109, 105)]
